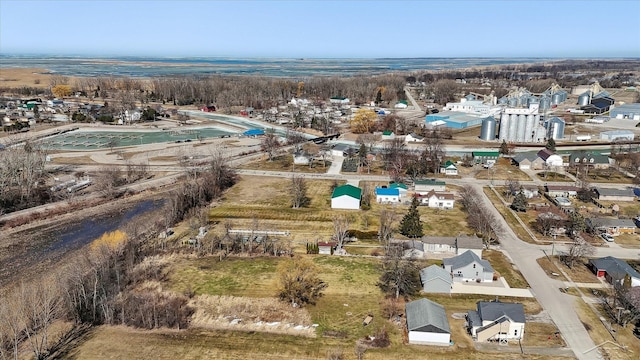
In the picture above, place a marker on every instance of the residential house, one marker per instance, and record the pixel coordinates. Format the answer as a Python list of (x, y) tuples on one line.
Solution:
[(388, 135), (412, 138), (453, 245), (301, 158), (590, 159), (610, 226), (341, 150), (424, 186), (468, 267), (326, 248), (615, 271), (608, 194), (339, 100), (550, 159), (439, 200), (530, 191), (346, 197), (566, 191), (526, 161), (402, 188), (485, 157), (435, 279), (387, 195), (427, 323), (449, 168), (413, 249), (496, 320)]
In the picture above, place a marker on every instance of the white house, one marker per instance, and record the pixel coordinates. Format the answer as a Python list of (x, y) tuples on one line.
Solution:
[(550, 159), (387, 195), (468, 267), (402, 188), (427, 323), (496, 320), (413, 138), (449, 168), (388, 135), (453, 245), (346, 197), (440, 200), (326, 248)]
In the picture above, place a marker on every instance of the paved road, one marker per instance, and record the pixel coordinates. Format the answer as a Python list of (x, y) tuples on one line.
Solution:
[(411, 99), (559, 306)]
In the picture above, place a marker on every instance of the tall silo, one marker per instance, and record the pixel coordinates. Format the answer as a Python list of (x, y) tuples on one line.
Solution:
[(556, 99), (545, 103), (555, 129), (524, 100), (488, 129), (513, 102), (503, 100), (563, 95), (522, 127), (513, 124), (504, 127), (540, 134), (532, 100), (529, 128), (584, 99), (470, 97)]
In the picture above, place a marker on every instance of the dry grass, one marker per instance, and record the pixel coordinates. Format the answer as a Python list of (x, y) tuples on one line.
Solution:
[(550, 268), (73, 160), (553, 176), (508, 215), (262, 314), (23, 77), (542, 334), (503, 170), (164, 158), (616, 177), (507, 270), (599, 334), (629, 241), (580, 272), (285, 163)]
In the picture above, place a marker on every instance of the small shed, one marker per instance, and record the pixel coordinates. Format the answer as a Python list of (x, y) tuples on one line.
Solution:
[(326, 248), (427, 323)]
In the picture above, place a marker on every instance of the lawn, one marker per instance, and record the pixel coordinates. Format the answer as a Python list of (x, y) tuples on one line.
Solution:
[(553, 176), (550, 268), (502, 170), (507, 270), (605, 176), (508, 215), (628, 240), (285, 163), (579, 273)]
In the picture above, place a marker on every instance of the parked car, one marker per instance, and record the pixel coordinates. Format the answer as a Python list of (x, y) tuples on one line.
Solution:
[(607, 237)]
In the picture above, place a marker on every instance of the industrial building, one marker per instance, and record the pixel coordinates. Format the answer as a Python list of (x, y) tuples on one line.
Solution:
[(626, 111), (477, 107), (521, 125), (617, 135), (455, 119), (555, 128)]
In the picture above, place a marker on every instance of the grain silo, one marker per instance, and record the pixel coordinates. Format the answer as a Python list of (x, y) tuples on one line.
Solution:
[(555, 128), (540, 134), (556, 99), (488, 129), (545, 103), (513, 102), (529, 128), (503, 100), (584, 99), (504, 127), (522, 128), (513, 123)]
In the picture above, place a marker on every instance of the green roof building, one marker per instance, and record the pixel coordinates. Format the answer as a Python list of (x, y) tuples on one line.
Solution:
[(346, 197)]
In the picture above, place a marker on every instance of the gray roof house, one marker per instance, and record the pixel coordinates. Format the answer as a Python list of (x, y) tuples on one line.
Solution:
[(468, 267), (611, 226), (427, 323), (496, 320), (608, 194), (616, 271), (435, 279), (528, 160), (453, 245)]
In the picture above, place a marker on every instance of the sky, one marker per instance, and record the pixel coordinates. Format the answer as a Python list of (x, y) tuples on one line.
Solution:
[(322, 29)]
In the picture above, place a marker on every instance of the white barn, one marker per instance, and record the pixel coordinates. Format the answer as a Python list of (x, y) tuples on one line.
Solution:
[(346, 197), (427, 323)]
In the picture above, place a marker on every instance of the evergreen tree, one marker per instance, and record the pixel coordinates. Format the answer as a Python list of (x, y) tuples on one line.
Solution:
[(379, 97), (504, 148), (411, 226), (576, 222), (520, 202), (551, 145)]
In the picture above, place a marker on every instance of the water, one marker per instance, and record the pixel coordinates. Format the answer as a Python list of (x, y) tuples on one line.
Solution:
[(93, 140), (290, 68)]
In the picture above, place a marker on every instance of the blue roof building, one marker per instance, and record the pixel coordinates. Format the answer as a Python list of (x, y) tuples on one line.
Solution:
[(455, 119)]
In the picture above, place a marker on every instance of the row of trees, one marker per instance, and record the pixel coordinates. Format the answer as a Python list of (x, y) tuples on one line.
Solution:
[(479, 216), (21, 177)]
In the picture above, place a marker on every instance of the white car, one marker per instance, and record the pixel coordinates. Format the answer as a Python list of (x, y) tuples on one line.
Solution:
[(607, 237)]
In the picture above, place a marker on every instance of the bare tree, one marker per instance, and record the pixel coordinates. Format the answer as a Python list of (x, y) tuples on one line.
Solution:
[(340, 230), (298, 191), (270, 144), (387, 218), (513, 187), (433, 153), (578, 249), (479, 217), (108, 179)]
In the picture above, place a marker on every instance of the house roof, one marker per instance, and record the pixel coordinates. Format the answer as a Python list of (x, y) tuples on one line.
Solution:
[(469, 242), (434, 272), (397, 186), (439, 195), (387, 191), (465, 259), (387, 133), (428, 315), (449, 164), (597, 157), (446, 240), (341, 147), (429, 182), (348, 190), (531, 156), (485, 153), (615, 192), (545, 153), (415, 136), (610, 223), (323, 243), (615, 267), (493, 310), (561, 188)]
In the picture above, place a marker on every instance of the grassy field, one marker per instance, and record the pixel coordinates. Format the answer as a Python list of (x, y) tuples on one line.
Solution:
[(285, 163), (608, 176), (579, 273), (629, 240), (502, 265), (502, 170), (553, 176), (550, 268), (508, 216)]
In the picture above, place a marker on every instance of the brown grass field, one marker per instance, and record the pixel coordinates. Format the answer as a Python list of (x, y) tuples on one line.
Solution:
[(502, 170), (24, 77)]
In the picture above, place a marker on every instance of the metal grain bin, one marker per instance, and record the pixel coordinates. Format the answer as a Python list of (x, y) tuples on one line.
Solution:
[(584, 99), (488, 129)]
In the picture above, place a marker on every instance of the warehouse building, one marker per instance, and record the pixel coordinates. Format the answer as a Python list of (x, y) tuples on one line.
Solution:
[(455, 119), (626, 111), (617, 135)]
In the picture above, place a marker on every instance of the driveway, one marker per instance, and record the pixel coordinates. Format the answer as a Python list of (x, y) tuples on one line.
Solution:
[(336, 165)]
